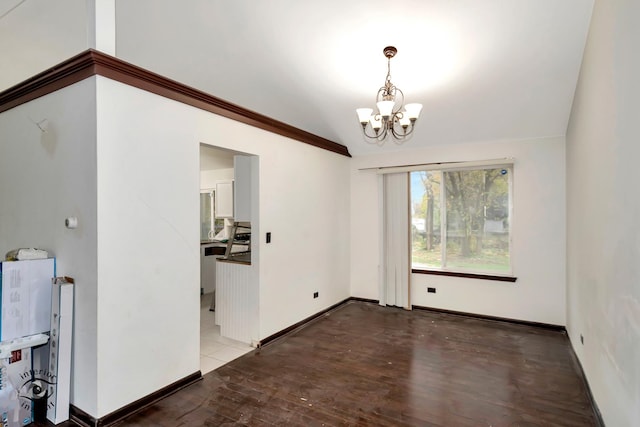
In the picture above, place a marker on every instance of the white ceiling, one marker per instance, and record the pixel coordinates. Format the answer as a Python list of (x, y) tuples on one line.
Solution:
[(483, 69), (36, 35)]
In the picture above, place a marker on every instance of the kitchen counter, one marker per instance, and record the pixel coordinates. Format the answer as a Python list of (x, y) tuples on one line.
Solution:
[(212, 243), (244, 258)]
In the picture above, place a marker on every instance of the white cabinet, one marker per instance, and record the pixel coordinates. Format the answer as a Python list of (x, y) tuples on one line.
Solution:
[(242, 171), (224, 199)]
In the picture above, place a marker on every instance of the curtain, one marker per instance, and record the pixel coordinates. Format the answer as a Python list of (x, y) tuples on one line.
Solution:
[(395, 249)]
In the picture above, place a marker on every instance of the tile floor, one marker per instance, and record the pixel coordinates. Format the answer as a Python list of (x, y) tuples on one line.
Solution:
[(215, 350)]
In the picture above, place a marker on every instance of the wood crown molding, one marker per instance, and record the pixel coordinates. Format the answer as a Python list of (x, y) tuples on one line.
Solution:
[(92, 62)]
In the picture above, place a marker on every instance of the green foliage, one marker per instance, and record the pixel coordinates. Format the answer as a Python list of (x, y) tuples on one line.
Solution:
[(477, 219), (494, 257)]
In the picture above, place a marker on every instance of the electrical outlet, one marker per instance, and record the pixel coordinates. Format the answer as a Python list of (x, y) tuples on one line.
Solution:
[(315, 294), (431, 290), (581, 339)]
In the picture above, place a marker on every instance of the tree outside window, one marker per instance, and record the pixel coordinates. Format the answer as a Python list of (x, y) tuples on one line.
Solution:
[(460, 220)]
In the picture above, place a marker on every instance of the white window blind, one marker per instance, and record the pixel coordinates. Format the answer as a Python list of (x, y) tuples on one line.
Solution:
[(396, 265)]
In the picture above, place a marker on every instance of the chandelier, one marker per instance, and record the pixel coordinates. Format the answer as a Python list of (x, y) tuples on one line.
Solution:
[(393, 118)]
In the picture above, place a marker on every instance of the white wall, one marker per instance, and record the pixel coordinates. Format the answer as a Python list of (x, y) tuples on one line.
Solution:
[(148, 244), (603, 211), (45, 178), (134, 186), (538, 232), (304, 203)]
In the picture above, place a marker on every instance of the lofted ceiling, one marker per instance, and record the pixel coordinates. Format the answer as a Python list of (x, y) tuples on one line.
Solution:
[(484, 70)]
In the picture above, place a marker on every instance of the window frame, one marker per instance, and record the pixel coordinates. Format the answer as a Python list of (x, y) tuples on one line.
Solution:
[(461, 272), (214, 224)]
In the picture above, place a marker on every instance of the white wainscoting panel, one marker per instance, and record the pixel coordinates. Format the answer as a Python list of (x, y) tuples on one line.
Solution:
[(233, 285)]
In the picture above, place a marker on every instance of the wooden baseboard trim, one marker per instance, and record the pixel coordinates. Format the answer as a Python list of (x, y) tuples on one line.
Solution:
[(550, 326), (594, 405), (368, 300), (80, 417), (301, 323)]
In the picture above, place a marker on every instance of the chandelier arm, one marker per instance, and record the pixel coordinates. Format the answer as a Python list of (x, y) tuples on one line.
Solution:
[(401, 134), (400, 104), (379, 140), (380, 135), (366, 134)]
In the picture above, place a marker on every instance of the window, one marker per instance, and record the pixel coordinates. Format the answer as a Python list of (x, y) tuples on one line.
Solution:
[(209, 226), (460, 220)]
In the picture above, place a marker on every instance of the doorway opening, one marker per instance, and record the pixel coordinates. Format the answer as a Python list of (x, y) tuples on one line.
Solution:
[(228, 285)]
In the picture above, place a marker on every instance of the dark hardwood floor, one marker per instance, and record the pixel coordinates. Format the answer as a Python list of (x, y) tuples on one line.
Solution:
[(366, 365)]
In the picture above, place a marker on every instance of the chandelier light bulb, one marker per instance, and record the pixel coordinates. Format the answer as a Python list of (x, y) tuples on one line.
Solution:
[(364, 114), (405, 122), (376, 122), (385, 108), (413, 110)]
